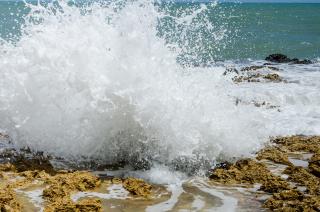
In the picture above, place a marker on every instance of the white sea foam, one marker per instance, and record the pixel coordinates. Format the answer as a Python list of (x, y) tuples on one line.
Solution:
[(99, 82)]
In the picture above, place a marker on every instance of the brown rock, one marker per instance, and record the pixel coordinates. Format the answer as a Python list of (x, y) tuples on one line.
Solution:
[(274, 154), (8, 201), (314, 164), (137, 187)]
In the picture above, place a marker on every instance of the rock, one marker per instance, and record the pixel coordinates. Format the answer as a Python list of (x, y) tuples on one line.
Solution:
[(86, 205), (314, 164), (299, 143), (273, 77), (287, 200), (297, 61), (7, 167), (243, 171), (89, 205), (285, 197), (8, 201), (274, 154), (273, 186), (281, 58), (252, 68), (231, 70), (137, 187), (278, 58), (303, 177), (62, 185), (257, 77)]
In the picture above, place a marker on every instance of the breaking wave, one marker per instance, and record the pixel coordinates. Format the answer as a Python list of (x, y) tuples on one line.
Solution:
[(97, 81)]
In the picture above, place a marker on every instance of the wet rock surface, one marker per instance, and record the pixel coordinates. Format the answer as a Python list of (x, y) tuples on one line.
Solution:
[(264, 73), (290, 188), (287, 193), (8, 200), (137, 187)]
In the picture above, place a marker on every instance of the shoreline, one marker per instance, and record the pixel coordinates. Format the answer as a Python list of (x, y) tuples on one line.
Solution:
[(285, 176)]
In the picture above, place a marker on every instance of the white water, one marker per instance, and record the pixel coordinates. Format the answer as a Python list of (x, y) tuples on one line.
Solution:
[(103, 85)]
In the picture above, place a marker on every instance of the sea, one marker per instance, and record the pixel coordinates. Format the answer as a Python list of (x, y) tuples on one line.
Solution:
[(144, 82)]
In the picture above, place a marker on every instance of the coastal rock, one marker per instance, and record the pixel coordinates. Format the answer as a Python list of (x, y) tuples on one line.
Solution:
[(243, 171), (304, 178), (137, 187), (86, 205), (273, 77), (8, 200), (62, 184), (299, 143), (257, 77), (281, 58), (274, 154), (278, 58), (314, 164), (7, 167)]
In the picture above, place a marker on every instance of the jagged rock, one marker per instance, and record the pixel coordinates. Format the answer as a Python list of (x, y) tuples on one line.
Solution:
[(86, 205), (243, 171), (303, 177), (137, 187), (61, 185), (274, 154), (314, 164), (299, 143), (8, 200)]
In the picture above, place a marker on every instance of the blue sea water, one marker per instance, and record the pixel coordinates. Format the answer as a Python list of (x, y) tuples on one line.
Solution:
[(250, 30)]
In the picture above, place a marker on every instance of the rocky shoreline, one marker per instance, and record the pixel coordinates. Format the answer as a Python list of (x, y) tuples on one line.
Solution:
[(294, 185), (295, 188)]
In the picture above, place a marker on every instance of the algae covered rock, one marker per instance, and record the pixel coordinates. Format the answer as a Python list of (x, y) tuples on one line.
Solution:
[(274, 154), (303, 177), (299, 143), (272, 186), (87, 205), (314, 164), (243, 171), (137, 187), (62, 184), (7, 167), (8, 201)]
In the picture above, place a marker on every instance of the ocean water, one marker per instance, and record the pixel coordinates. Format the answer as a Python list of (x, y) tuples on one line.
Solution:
[(140, 81)]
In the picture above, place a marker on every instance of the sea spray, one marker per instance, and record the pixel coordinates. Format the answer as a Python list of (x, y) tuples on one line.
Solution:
[(98, 82)]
